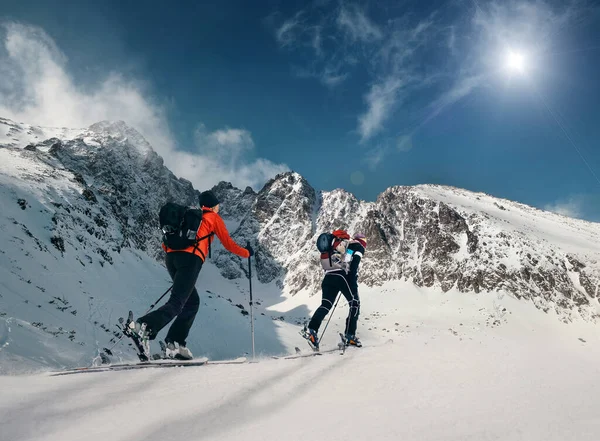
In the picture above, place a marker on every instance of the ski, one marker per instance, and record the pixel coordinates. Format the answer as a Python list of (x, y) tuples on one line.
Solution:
[(134, 365), (303, 354), (160, 363), (239, 360), (163, 356)]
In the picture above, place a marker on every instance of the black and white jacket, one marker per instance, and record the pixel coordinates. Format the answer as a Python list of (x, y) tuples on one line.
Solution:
[(354, 254)]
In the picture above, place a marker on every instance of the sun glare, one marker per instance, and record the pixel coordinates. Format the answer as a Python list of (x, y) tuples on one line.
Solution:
[(515, 62)]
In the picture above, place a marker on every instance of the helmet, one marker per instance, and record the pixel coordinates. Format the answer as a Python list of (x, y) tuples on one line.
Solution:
[(360, 237)]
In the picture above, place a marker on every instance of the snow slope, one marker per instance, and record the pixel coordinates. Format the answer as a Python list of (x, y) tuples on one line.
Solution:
[(13, 134), (551, 229), (64, 281), (463, 306), (445, 376)]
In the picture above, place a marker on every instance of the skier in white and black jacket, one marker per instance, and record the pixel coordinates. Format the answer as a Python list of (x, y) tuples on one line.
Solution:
[(343, 279)]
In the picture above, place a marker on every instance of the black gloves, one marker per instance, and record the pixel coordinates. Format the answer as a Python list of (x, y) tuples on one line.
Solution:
[(250, 250)]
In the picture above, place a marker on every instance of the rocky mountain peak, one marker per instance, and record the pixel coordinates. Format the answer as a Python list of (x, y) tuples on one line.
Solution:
[(439, 237), (119, 131)]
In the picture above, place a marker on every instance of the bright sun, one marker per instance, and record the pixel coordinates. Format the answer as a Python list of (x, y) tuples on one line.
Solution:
[(515, 62)]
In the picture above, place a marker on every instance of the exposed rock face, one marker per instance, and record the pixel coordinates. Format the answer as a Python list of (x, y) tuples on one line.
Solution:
[(122, 183), (433, 236)]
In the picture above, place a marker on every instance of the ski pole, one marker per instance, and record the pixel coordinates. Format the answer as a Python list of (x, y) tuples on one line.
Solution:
[(109, 350), (251, 307), (159, 299), (330, 315)]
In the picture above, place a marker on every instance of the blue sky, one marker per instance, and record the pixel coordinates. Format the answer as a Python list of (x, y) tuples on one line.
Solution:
[(500, 97)]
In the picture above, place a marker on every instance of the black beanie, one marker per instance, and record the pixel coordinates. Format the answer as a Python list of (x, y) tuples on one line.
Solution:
[(208, 199)]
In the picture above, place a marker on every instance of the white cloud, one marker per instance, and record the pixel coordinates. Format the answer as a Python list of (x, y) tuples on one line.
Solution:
[(317, 41), (331, 77), (397, 58), (434, 60), (48, 95), (404, 143), (223, 155), (205, 170), (287, 33), (421, 28), (460, 89), (36, 88), (572, 207), (375, 156), (452, 39), (326, 40), (357, 25), (380, 101)]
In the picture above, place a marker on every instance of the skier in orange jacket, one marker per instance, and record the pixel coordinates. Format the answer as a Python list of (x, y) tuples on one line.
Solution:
[(184, 267)]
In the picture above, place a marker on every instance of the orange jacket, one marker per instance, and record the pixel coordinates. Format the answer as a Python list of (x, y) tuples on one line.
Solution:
[(212, 223)]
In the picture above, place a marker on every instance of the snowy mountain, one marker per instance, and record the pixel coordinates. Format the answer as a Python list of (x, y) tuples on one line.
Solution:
[(80, 246), (433, 236)]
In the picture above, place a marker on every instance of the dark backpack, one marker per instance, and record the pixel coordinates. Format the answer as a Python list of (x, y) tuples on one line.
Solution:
[(179, 225), (327, 242)]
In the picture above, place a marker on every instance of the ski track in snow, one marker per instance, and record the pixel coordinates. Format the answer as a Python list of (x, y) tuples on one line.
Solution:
[(448, 375), (492, 387)]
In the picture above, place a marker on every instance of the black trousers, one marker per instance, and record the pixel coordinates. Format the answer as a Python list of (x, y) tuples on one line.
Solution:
[(332, 284), (184, 302)]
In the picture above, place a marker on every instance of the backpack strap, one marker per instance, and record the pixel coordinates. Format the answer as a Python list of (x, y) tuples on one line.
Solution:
[(332, 249), (197, 242), (209, 245)]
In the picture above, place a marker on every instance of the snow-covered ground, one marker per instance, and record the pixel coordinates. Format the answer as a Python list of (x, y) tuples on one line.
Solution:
[(60, 308), (435, 366), (16, 134), (450, 373)]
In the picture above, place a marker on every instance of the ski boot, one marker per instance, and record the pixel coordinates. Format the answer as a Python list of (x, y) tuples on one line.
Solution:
[(311, 337), (140, 336), (176, 351), (352, 340)]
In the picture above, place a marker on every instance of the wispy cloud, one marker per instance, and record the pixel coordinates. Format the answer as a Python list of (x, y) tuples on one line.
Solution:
[(355, 22), (224, 155), (375, 156), (451, 39), (44, 93), (380, 101), (571, 207), (398, 58), (288, 32), (327, 40), (404, 143), (436, 60), (330, 76), (36, 88), (317, 41), (460, 89)]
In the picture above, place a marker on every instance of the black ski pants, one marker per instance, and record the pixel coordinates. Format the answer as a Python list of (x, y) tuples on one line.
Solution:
[(184, 301), (332, 284)]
